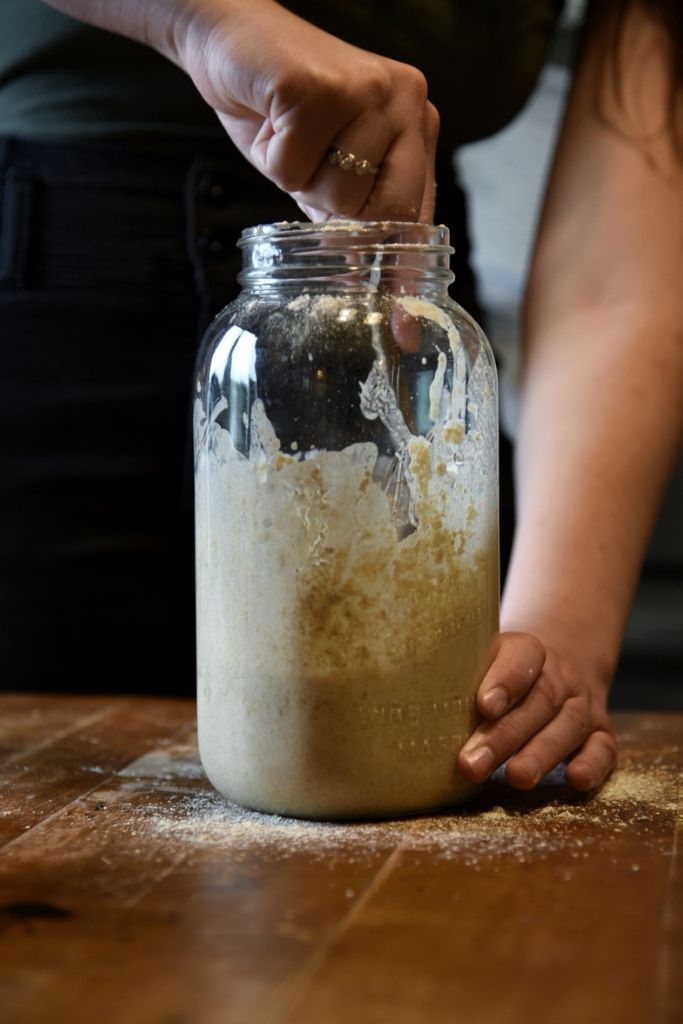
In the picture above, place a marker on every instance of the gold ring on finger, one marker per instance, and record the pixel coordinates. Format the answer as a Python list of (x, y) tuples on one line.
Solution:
[(350, 162)]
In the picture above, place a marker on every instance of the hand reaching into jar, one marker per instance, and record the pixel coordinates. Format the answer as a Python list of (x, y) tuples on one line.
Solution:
[(346, 132), (291, 96), (539, 710)]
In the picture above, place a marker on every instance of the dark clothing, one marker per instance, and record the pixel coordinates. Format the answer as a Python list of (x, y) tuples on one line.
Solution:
[(113, 262), (59, 77)]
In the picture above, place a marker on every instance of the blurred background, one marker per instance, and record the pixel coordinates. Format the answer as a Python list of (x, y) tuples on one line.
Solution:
[(504, 178)]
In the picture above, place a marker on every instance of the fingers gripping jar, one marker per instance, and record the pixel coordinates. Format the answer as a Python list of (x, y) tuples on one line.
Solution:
[(346, 524)]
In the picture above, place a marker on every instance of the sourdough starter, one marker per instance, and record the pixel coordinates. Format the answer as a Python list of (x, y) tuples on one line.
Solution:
[(339, 656)]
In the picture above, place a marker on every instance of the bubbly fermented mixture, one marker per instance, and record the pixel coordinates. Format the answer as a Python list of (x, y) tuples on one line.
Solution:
[(338, 656)]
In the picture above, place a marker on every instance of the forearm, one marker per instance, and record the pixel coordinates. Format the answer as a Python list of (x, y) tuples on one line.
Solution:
[(603, 403), (163, 25), (146, 21)]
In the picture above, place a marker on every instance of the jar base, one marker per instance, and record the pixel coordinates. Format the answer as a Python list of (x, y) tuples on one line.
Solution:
[(352, 811)]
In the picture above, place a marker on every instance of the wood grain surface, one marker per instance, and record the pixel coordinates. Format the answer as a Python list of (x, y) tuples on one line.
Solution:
[(131, 892)]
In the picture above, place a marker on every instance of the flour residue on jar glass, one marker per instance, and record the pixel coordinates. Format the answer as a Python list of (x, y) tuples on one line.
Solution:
[(347, 599)]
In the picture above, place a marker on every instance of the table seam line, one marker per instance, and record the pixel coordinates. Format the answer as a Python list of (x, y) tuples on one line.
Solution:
[(104, 780), (82, 722), (296, 988)]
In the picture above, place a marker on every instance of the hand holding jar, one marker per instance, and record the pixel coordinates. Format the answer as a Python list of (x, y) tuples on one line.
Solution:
[(540, 709)]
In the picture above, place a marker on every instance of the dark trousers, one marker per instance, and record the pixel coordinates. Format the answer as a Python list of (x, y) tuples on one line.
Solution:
[(113, 260)]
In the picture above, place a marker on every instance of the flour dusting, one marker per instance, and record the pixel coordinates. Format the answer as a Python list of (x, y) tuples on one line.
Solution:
[(498, 824)]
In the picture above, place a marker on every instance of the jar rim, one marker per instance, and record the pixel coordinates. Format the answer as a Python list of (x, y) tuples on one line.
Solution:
[(370, 233)]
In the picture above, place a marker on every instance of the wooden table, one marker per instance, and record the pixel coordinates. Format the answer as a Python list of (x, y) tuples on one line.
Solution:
[(130, 892)]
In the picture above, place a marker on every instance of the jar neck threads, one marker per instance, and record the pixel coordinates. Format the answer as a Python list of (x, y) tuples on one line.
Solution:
[(347, 255)]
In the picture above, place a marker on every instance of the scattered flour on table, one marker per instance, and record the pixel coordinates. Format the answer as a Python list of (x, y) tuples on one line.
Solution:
[(525, 827)]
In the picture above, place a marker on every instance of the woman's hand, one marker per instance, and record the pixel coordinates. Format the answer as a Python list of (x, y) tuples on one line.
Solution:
[(539, 709), (288, 93)]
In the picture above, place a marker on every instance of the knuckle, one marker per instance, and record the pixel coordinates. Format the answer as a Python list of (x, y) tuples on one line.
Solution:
[(287, 88), (608, 745), (536, 648), (330, 92), (510, 736), (432, 122), (520, 774), (416, 83), (521, 658), (529, 652), (611, 744), (289, 179), (377, 85), (578, 713), (549, 693)]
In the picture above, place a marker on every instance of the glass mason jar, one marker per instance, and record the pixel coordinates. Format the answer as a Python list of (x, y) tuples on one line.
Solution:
[(346, 459)]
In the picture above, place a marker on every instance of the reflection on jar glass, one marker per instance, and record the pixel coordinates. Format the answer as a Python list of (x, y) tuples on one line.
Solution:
[(346, 524)]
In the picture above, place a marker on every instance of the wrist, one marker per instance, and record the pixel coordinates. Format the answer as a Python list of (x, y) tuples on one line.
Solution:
[(192, 24), (186, 27), (570, 604)]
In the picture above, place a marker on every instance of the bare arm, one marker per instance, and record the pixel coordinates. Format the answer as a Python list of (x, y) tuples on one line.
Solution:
[(287, 93), (602, 413)]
